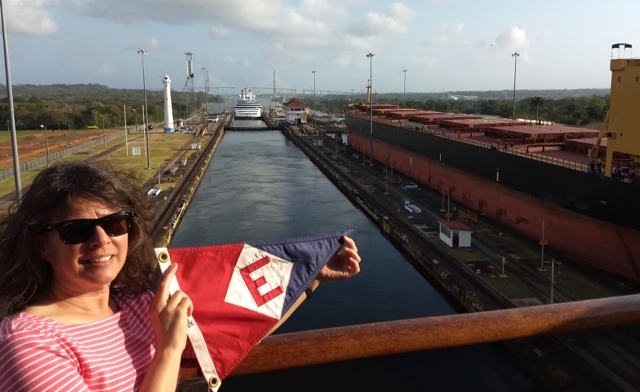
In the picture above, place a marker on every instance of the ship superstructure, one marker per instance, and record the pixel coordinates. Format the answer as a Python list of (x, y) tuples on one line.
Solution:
[(247, 107)]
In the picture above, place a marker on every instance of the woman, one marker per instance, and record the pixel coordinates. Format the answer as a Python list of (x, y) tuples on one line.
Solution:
[(76, 266)]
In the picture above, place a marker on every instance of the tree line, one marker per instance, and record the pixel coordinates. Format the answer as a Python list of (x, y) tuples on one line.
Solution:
[(85, 105), (585, 111), (80, 106)]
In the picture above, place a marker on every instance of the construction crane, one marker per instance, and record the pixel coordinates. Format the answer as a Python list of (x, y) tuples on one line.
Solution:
[(593, 150)]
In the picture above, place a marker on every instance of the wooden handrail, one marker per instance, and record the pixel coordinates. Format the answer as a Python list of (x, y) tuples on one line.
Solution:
[(370, 340)]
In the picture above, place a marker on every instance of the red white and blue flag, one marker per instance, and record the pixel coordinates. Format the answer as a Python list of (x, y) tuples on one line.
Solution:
[(240, 291)]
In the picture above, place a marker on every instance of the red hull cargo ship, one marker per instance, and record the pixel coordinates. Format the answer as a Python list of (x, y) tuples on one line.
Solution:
[(580, 182)]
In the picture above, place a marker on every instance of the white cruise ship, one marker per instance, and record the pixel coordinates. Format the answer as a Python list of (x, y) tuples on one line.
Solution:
[(247, 106)]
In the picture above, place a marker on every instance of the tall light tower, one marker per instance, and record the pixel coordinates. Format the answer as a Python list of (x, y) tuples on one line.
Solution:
[(206, 99), (146, 114), (188, 86), (12, 117), (404, 89), (314, 98), (515, 67), (370, 56)]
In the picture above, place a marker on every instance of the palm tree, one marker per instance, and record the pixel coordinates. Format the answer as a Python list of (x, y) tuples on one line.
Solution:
[(537, 102)]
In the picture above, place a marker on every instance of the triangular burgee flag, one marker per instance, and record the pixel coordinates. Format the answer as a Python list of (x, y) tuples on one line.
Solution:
[(240, 291)]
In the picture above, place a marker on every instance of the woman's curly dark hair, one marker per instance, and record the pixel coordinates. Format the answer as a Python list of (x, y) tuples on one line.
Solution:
[(24, 274)]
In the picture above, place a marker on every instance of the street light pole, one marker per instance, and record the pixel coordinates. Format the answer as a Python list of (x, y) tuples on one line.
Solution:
[(515, 67), (134, 110), (206, 99), (126, 132), (404, 89), (146, 114), (314, 98), (12, 118), (46, 141), (370, 56), (104, 133)]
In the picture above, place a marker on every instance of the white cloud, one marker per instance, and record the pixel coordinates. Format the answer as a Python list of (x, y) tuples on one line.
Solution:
[(514, 38), (154, 44), (396, 21), (449, 32), (30, 17), (219, 31)]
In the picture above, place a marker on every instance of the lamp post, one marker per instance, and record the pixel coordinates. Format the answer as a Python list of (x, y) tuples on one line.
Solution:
[(145, 114), (224, 92), (126, 131), (370, 56), (104, 133), (134, 110), (46, 141), (515, 67), (404, 89), (12, 118), (206, 99), (314, 98)]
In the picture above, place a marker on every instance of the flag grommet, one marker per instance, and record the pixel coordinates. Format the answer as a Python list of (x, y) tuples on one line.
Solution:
[(163, 257), (214, 382)]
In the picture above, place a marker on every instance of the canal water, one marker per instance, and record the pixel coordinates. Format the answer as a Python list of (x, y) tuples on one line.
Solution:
[(260, 186)]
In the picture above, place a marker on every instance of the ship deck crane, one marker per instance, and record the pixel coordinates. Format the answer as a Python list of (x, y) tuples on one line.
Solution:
[(593, 150)]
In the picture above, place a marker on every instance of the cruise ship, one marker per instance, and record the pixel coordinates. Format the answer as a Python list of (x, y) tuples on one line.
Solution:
[(247, 106)]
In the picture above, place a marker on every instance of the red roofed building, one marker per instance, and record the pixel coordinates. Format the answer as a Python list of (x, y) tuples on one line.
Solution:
[(455, 234), (295, 111)]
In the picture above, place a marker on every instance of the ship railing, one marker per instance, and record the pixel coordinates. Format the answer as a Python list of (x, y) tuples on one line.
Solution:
[(323, 346), (442, 132)]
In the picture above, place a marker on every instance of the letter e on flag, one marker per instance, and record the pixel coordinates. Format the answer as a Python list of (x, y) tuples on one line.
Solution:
[(259, 282)]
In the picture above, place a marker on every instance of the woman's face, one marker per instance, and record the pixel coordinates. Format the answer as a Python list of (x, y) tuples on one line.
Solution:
[(89, 266)]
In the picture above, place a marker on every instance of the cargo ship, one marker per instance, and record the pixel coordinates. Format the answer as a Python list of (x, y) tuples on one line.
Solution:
[(573, 189)]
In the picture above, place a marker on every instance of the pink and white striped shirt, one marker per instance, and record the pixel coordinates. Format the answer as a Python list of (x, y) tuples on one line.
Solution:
[(40, 354)]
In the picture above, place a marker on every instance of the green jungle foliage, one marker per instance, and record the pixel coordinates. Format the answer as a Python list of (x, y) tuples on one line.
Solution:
[(82, 105), (570, 109)]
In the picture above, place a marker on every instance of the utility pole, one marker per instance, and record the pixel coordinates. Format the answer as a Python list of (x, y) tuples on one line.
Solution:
[(104, 133), (404, 89), (370, 56), (126, 132), (515, 67), (12, 117), (314, 98), (543, 242), (46, 141), (206, 99), (146, 114)]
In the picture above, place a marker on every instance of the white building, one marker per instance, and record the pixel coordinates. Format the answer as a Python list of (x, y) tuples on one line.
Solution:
[(296, 111), (168, 110), (455, 234)]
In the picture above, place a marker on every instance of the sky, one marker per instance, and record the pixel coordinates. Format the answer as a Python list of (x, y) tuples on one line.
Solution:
[(444, 45)]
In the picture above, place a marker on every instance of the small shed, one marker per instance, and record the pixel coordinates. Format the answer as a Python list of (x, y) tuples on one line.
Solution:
[(455, 234)]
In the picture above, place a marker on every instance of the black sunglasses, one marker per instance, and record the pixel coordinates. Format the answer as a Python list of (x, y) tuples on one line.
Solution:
[(76, 231)]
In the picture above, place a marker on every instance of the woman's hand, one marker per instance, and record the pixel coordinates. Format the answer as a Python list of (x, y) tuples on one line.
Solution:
[(169, 315), (344, 264)]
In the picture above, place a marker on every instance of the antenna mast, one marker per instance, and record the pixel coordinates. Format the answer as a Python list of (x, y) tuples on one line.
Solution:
[(188, 86)]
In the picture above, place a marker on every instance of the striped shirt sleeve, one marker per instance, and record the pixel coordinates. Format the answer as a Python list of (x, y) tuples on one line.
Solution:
[(35, 362)]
